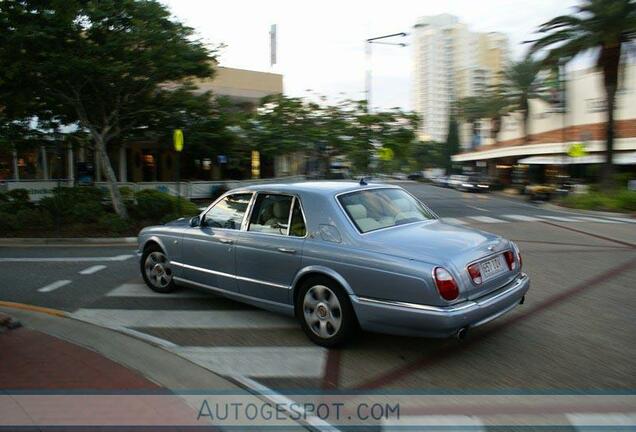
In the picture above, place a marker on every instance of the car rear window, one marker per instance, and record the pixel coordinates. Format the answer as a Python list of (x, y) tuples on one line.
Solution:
[(374, 209)]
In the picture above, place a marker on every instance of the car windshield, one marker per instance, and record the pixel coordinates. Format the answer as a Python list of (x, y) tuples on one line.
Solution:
[(374, 209)]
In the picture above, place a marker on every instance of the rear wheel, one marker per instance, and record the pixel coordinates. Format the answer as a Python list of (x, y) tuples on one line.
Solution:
[(156, 270), (325, 312)]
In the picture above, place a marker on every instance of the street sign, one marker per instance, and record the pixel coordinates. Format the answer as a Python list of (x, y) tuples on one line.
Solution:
[(256, 164), (386, 154), (577, 150), (177, 138)]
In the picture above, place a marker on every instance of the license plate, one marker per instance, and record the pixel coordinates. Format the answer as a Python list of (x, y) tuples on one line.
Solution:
[(491, 267)]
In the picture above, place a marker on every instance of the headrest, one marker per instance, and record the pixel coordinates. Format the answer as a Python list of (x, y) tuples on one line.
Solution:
[(357, 211), (281, 209)]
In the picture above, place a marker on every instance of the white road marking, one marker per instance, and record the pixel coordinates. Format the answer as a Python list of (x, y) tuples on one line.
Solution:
[(559, 218), (68, 259), (453, 221), (55, 285), (522, 218), (590, 421), (93, 269), (621, 219), (435, 422), (478, 208), (259, 362), (593, 219), (486, 219), (218, 319), (141, 290)]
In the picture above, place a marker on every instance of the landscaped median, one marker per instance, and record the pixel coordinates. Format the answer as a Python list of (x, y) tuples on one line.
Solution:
[(620, 200), (86, 212)]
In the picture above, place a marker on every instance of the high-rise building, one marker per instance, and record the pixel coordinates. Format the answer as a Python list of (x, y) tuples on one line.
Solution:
[(451, 62)]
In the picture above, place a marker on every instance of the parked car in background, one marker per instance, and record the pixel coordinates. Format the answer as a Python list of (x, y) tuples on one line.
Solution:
[(441, 181), (456, 180), (417, 176), (474, 183), (339, 256)]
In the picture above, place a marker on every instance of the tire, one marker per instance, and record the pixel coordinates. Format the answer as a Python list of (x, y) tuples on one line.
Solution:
[(156, 270), (325, 312)]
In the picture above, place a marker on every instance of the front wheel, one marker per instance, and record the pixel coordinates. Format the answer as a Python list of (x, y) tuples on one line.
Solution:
[(156, 270), (325, 312)]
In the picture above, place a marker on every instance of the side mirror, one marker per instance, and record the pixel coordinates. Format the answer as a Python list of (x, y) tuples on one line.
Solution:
[(195, 221)]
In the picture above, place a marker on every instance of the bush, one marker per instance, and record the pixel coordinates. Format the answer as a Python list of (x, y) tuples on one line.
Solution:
[(8, 222), (626, 200), (14, 201), (74, 205), (85, 212), (33, 220), (112, 223), (156, 206)]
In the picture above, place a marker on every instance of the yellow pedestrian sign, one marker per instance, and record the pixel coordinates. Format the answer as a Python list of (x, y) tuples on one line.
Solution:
[(178, 139), (577, 150)]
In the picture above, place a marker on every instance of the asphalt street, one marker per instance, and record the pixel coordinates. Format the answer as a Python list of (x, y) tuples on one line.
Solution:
[(574, 332)]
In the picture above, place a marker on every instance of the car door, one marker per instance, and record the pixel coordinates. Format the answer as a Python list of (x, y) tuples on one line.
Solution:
[(269, 251), (208, 253)]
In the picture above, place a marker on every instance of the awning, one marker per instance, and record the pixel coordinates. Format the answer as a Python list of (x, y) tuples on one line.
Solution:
[(619, 159)]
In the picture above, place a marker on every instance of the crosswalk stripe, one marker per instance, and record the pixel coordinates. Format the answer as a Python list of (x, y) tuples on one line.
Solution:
[(92, 269), (184, 319), (436, 422), (559, 218), (454, 221), (486, 219), (55, 285), (141, 290), (591, 421), (522, 218), (593, 219), (621, 219), (258, 362)]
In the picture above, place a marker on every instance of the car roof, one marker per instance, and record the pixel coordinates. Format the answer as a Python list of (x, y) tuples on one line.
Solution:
[(319, 187)]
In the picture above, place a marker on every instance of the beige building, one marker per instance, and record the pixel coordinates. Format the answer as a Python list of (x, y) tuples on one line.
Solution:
[(451, 62), (551, 133)]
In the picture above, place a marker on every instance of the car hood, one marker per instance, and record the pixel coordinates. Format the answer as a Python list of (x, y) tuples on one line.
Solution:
[(179, 222)]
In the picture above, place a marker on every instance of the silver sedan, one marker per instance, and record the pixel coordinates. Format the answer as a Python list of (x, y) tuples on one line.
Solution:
[(339, 256)]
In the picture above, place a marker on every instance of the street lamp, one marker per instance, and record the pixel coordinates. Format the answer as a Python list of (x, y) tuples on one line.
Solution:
[(369, 42)]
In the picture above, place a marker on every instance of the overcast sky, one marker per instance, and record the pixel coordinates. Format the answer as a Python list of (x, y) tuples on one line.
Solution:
[(321, 43)]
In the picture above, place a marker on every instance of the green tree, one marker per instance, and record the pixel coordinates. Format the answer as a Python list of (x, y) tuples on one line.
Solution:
[(452, 143), (606, 26), (495, 107), (520, 84), (104, 64), (428, 154), (472, 109)]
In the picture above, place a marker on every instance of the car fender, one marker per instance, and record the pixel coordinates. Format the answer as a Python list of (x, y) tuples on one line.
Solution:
[(155, 239), (317, 269)]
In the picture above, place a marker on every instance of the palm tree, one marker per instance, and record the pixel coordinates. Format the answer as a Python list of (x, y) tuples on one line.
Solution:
[(495, 106), (471, 109), (606, 26), (520, 83)]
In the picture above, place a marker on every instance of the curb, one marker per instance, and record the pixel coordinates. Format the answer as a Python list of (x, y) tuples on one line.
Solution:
[(557, 207), (12, 241), (33, 308)]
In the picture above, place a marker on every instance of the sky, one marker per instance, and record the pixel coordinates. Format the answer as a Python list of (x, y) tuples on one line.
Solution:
[(321, 43)]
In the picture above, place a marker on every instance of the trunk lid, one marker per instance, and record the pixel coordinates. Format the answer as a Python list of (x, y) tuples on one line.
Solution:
[(450, 246)]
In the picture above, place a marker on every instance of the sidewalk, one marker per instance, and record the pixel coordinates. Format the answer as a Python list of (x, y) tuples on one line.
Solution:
[(62, 373)]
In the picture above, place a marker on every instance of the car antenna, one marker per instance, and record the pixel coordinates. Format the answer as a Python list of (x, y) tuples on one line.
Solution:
[(362, 182)]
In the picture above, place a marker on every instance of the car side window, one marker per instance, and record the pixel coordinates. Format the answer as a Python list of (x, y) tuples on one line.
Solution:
[(228, 213), (297, 228), (270, 214)]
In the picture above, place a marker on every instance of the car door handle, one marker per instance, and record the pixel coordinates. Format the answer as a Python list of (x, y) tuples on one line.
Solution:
[(226, 240), (285, 250)]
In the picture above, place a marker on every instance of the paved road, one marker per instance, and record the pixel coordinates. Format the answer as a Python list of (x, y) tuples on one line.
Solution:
[(576, 330)]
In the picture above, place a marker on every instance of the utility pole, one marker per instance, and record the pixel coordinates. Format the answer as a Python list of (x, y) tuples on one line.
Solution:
[(367, 50)]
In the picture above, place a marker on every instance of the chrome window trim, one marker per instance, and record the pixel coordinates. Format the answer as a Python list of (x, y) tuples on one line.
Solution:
[(353, 224), (228, 275), (219, 199)]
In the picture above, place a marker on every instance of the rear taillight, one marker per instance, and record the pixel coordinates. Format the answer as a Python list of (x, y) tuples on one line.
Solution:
[(510, 260), (446, 285), (475, 273)]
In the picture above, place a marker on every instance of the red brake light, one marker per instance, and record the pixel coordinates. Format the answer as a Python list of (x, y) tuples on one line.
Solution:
[(510, 259), (446, 285), (475, 273)]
